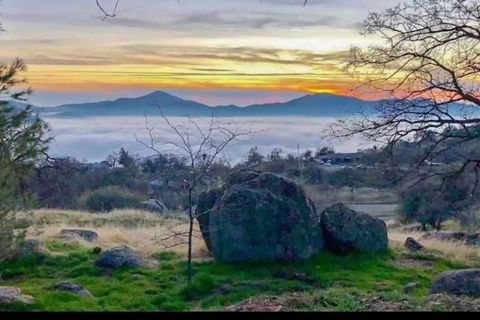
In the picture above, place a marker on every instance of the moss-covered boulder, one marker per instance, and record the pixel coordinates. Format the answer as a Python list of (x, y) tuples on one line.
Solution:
[(119, 257), (262, 217), (458, 282), (346, 230), (206, 202)]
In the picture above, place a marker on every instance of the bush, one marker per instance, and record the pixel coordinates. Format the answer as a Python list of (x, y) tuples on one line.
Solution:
[(433, 202), (109, 198)]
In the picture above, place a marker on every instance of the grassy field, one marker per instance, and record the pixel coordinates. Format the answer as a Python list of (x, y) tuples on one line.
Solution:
[(356, 282)]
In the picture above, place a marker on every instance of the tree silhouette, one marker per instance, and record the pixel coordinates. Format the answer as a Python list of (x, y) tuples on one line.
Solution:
[(428, 66)]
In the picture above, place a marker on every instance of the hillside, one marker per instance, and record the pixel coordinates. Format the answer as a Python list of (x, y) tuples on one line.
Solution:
[(317, 105)]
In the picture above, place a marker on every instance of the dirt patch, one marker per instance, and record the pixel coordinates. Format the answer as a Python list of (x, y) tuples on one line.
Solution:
[(378, 304), (266, 304), (285, 303), (443, 302), (412, 263)]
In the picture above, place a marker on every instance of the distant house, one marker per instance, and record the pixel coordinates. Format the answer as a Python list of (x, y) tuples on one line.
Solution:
[(175, 183), (339, 158), (433, 164), (97, 166)]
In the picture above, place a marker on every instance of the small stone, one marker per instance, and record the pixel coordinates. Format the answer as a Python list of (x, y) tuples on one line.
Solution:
[(73, 288), (26, 299), (120, 257), (9, 295), (413, 245), (409, 288), (72, 234)]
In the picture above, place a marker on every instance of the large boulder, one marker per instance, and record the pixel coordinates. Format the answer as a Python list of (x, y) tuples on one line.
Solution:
[(261, 217), (206, 202), (121, 257), (346, 230), (459, 282)]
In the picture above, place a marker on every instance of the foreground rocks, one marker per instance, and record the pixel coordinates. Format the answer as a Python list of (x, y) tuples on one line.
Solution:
[(261, 216), (459, 282), (469, 239), (9, 295), (121, 257), (206, 202), (74, 234), (413, 245), (73, 288), (346, 230)]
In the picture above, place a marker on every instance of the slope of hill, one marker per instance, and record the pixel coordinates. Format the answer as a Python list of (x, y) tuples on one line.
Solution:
[(314, 105), (317, 105)]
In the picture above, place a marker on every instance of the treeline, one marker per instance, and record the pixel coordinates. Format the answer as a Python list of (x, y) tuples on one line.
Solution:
[(67, 183)]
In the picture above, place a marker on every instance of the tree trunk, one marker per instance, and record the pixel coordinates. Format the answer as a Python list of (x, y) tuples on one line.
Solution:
[(190, 236)]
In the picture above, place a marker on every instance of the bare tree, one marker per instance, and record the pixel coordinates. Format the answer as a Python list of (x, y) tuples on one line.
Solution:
[(107, 13), (428, 67), (201, 146)]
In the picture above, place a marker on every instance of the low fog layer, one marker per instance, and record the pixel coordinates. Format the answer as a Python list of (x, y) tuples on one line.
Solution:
[(93, 139)]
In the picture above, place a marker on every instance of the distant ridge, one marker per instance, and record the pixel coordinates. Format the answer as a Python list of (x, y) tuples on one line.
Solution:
[(313, 105), (316, 105)]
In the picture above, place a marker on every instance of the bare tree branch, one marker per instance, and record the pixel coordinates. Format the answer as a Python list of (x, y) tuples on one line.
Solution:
[(107, 14), (201, 145), (428, 68)]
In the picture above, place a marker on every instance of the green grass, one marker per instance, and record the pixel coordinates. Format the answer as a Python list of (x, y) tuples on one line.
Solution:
[(341, 281)]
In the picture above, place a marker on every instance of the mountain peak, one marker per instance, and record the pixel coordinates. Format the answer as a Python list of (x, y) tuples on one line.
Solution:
[(158, 94)]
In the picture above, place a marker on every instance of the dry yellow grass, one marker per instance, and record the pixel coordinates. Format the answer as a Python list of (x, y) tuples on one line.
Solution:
[(447, 249), (138, 228), (122, 227), (123, 218)]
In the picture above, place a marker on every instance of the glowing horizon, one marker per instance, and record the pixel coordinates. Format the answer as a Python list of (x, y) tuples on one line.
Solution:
[(278, 46)]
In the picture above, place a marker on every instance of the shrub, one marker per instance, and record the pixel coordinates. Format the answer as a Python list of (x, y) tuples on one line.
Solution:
[(433, 202), (109, 198)]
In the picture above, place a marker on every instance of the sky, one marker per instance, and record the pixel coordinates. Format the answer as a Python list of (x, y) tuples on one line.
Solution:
[(212, 51)]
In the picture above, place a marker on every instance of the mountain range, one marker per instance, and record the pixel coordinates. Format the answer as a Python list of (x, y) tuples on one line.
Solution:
[(315, 105)]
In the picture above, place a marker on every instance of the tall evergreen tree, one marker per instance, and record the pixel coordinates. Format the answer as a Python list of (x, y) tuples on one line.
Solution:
[(22, 144)]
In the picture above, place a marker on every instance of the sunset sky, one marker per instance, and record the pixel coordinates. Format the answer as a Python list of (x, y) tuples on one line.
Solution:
[(213, 51)]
